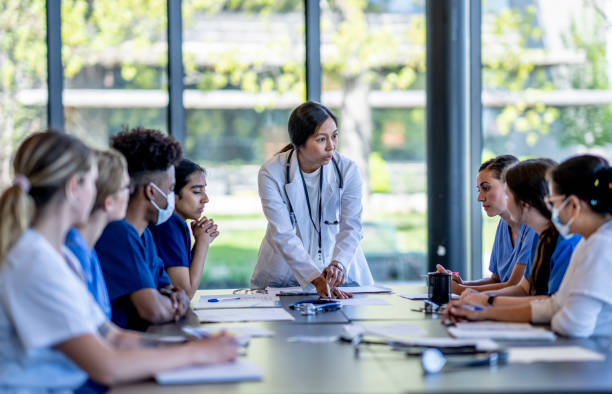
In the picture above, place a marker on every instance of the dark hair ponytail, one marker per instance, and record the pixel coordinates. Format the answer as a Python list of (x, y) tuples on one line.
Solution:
[(527, 183), (498, 164), (183, 171), (589, 178), (304, 122)]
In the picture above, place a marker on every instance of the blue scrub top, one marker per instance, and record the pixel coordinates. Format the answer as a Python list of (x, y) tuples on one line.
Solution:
[(558, 262), (505, 256), (130, 263), (173, 241), (91, 269)]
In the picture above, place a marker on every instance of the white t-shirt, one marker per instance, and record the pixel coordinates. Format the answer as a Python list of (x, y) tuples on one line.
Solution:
[(312, 185), (583, 304), (43, 302)]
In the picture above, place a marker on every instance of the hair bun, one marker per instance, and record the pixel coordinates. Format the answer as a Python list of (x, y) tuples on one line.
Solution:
[(602, 185)]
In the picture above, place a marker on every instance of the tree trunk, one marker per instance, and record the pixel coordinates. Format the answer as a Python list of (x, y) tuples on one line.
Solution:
[(355, 129)]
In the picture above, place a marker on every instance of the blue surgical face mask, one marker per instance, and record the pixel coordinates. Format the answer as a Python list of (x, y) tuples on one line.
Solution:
[(164, 214), (563, 229)]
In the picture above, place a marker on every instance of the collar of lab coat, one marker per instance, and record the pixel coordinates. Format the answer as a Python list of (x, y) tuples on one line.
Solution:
[(295, 192)]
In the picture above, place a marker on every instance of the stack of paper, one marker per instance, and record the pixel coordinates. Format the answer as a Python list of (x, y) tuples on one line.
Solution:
[(424, 296), (238, 301), (242, 314), (445, 342), (533, 354), (362, 301), (310, 290), (240, 331), (237, 371), (385, 330), (500, 330)]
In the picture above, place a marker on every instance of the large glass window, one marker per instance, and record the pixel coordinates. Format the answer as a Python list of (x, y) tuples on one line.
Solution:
[(115, 57), (546, 81), (373, 57), (244, 72), (23, 76)]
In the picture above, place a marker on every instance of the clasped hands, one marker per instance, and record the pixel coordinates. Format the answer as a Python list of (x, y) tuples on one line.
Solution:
[(330, 279)]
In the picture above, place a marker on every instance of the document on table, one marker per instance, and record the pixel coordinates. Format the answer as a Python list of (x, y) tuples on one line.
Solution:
[(499, 330), (238, 301), (240, 331), (237, 371), (310, 290), (242, 314), (362, 301), (385, 330), (445, 342), (424, 296), (534, 354)]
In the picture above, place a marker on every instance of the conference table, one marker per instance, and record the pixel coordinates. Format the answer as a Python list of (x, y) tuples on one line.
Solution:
[(335, 367)]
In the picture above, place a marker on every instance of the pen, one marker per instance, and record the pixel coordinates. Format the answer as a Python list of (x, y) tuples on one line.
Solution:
[(472, 307), (222, 299)]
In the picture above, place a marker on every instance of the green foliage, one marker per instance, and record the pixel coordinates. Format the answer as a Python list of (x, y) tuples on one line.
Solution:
[(380, 179), (588, 126), (508, 53)]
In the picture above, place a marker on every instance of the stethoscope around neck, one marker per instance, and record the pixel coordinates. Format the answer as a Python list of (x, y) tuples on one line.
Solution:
[(292, 213)]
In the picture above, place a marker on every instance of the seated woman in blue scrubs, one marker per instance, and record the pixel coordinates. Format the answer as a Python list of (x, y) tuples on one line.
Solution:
[(54, 334), (526, 187), (139, 288), (183, 263), (580, 201), (112, 194), (514, 242)]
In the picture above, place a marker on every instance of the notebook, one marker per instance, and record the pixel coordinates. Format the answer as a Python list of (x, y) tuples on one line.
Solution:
[(237, 371)]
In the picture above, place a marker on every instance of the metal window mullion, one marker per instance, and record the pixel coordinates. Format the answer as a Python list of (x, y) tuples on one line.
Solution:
[(313, 50), (55, 79), (176, 110)]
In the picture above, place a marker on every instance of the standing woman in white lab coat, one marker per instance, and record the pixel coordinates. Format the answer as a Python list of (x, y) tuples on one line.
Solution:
[(311, 197)]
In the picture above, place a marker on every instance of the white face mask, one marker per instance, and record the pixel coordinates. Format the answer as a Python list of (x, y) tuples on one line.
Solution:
[(164, 214), (563, 229)]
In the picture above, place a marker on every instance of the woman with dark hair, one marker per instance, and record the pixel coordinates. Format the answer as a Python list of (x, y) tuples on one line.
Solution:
[(514, 242), (311, 197), (581, 203), (183, 263), (526, 188)]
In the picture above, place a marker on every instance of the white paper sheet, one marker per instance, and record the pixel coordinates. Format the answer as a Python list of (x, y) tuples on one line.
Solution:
[(480, 344), (242, 314), (499, 330), (241, 331), (238, 301), (361, 301), (385, 330), (313, 339), (238, 371), (310, 290), (494, 325), (424, 296), (534, 354)]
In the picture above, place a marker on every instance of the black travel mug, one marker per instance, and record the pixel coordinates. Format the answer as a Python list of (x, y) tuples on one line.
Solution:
[(439, 287)]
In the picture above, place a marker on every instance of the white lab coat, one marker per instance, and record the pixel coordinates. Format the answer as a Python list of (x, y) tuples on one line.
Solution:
[(283, 256)]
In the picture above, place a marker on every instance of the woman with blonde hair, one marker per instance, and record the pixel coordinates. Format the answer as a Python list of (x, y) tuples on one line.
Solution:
[(54, 333), (113, 186)]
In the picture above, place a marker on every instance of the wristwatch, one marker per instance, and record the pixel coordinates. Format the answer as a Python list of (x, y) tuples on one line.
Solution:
[(491, 300)]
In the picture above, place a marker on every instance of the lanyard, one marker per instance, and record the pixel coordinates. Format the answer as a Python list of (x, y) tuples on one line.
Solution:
[(318, 230)]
